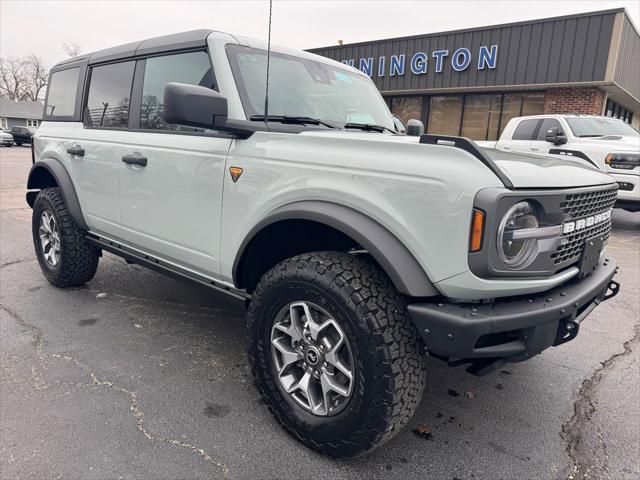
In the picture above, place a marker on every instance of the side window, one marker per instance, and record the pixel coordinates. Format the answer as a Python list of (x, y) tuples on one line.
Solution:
[(61, 97), (193, 68), (547, 124), (525, 130), (109, 92)]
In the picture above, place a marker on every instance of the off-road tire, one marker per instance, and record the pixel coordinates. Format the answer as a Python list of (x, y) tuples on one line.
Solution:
[(387, 350), (78, 259)]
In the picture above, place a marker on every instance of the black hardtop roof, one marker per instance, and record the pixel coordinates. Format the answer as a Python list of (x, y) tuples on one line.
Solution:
[(165, 43)]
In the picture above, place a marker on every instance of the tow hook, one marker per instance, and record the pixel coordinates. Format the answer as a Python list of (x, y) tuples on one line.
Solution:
[(614, 287)]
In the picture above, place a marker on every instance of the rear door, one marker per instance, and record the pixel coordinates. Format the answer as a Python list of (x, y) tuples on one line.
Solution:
[(96, 173), (171, 187), (523, 134)]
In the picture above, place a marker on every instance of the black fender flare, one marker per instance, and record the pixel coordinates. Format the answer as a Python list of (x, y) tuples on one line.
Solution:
[(37, 180), (396, 260)]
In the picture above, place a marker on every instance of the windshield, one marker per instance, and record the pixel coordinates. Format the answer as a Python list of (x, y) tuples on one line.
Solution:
[(305, 88), (598, 127)]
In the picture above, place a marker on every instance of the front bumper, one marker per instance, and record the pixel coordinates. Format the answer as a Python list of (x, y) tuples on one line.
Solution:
[(628, 191), (514, 328)]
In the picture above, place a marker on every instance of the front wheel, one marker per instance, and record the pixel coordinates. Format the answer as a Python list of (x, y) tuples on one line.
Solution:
[(334, 353)]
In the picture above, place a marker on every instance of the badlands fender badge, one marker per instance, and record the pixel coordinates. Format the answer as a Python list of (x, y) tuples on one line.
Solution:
[(235, 173)]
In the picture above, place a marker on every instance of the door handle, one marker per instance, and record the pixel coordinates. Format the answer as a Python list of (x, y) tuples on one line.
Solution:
[(534, 149), (135, 159), (76, 150)]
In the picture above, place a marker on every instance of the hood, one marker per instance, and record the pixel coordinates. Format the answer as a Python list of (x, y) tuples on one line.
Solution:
[(524, 171), (534, 171), (614, 142)]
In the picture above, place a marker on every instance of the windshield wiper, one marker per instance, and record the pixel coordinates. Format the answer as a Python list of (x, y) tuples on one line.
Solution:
[(587, 136), (369, 127), (290, 119)]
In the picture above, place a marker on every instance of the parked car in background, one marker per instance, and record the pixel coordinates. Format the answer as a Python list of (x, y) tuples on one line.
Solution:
[(6, 139), (22, 134), (606, 143)]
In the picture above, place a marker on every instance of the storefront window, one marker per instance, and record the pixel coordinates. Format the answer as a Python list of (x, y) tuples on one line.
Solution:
[(519, 105), (481, 115), (532, 104), (407, 108), (444, 115), (618, 111)]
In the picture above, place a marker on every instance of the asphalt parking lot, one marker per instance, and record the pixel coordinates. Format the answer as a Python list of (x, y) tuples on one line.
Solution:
[(140, 376)]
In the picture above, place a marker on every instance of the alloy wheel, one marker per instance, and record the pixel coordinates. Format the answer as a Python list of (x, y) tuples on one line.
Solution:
[(313, 358), (49, 238)]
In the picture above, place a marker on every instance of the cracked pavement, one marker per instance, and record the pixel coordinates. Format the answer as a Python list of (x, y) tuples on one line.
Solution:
[(137, 375)]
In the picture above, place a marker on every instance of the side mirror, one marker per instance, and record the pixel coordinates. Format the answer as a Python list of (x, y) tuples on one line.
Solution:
[(193, 105), (555, 136), (415, 128)]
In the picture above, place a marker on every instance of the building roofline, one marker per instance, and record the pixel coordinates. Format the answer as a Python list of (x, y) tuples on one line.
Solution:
[(475, 29)]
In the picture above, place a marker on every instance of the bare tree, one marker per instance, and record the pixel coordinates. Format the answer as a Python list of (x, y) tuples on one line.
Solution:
[(22, 78), (71, 49), (37, 77), (12, 78)]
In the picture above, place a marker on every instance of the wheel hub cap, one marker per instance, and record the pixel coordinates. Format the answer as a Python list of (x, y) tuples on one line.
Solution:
[(49, 238), (312, 358)]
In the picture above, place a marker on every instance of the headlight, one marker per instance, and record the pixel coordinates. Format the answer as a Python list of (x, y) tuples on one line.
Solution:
[(514, 250), (623, 160)]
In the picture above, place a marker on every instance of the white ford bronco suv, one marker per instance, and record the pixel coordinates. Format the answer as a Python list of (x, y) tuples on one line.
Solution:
[(357, 250), (606, 143)]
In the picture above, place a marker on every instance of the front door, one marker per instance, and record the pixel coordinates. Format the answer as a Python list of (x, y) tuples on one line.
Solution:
[(539, 145), (171, 177)]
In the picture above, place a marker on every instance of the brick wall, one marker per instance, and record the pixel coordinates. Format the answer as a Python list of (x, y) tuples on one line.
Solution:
[(585, 100)]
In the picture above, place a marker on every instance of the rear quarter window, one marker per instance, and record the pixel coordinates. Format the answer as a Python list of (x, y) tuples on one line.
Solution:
[(62, 93)]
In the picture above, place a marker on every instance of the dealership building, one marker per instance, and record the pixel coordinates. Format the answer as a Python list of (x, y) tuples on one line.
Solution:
[(472, 82)]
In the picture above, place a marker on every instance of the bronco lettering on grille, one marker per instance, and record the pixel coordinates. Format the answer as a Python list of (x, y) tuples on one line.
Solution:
[(586, 222)]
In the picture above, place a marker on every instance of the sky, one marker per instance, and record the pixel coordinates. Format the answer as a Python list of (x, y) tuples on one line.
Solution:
[(43, 26)]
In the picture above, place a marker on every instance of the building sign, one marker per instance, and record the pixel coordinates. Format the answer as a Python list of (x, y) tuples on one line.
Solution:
[(420, 63)]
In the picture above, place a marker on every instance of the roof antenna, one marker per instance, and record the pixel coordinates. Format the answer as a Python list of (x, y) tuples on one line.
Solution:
[(266, 94)]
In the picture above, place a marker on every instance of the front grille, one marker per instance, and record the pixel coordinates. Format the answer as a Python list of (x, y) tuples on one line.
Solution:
[(577, 206), (580, 205), (571, 244)]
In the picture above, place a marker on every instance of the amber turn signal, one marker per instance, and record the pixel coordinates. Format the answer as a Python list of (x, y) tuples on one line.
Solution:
[(477, 230)]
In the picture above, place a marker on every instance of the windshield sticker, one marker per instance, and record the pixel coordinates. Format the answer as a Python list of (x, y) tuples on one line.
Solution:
[(343, 77)]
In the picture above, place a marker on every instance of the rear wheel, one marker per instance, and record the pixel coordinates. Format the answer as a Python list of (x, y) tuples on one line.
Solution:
[(65, 257), (334, 353)]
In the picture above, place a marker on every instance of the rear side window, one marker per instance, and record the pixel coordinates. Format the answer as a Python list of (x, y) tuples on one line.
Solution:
[(61, 97), (525, 130), (548, 124), (109, 93), (193, 68)]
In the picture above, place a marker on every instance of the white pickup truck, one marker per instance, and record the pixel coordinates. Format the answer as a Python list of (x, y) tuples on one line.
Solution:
[(606, 143)]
